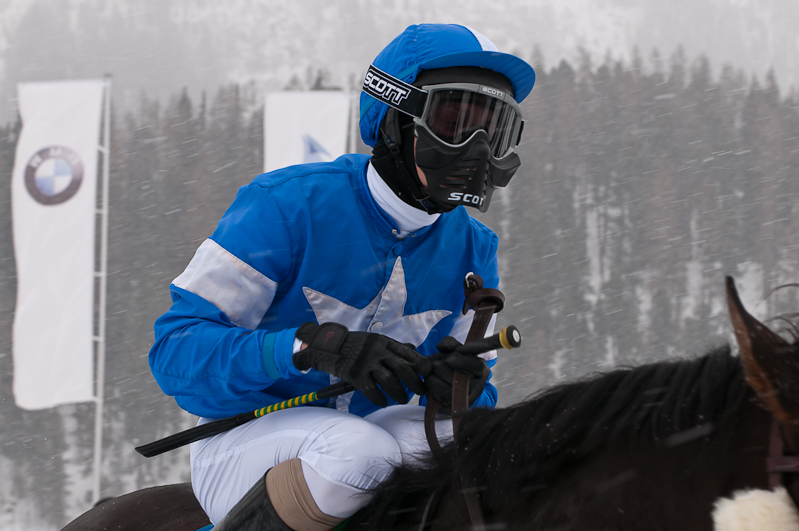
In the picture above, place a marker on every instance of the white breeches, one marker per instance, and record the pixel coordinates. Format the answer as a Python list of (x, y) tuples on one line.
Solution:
[(342, 454)]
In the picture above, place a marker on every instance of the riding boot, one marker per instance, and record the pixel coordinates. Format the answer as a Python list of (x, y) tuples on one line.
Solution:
[(254, 512)]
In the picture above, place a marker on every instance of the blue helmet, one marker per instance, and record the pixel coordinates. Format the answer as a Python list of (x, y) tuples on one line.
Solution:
[(432, 46)]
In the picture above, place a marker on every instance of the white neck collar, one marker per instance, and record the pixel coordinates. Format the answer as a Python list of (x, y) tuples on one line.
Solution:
[(407, 218)]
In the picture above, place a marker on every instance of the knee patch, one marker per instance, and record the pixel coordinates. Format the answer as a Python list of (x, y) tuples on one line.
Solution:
[(292, 500)]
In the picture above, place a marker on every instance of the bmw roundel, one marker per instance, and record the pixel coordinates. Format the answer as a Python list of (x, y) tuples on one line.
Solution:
[(53, 175)]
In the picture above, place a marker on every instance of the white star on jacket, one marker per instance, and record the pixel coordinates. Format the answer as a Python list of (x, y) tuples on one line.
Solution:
[(385, 314)]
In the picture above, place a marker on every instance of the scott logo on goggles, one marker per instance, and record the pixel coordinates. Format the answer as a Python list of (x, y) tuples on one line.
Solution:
[(492, 91), (384, 88), (466, 198)]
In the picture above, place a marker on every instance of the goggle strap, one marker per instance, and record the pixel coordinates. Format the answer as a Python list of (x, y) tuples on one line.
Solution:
[(394, 92)]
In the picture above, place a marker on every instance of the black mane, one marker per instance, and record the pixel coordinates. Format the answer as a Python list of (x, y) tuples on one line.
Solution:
[(522, 448)]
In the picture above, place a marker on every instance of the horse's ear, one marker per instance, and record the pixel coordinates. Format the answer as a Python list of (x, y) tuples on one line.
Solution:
[(770, 364)]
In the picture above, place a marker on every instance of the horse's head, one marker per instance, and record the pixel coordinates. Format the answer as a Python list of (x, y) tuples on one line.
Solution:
[(771, 367)]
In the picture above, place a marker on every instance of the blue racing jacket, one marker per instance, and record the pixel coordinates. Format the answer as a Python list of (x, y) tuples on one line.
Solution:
[(309, 243)]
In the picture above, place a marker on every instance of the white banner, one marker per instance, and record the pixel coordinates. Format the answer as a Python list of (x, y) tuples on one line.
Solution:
[(53, 202), (302, 127)]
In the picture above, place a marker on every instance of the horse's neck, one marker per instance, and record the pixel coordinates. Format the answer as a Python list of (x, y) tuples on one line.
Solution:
[(641, 483)]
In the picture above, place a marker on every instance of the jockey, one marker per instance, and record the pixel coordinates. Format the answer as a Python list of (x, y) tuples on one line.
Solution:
[(349, 270)]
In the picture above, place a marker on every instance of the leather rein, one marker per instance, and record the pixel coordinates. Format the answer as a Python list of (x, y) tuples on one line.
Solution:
[(777, 462), (485, 302)]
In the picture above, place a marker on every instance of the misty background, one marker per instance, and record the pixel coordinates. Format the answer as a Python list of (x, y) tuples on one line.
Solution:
[(661, 152)]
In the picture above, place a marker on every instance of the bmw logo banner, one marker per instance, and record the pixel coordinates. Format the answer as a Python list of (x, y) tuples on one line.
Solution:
[(53, 201), (302, 127)]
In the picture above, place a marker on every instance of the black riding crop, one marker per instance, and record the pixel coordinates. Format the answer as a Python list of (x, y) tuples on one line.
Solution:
[(508, 338)]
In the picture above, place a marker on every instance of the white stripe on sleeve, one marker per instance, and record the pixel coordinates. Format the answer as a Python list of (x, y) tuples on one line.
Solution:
[(233, 286)]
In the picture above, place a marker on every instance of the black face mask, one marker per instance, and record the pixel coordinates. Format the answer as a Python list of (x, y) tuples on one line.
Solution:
[(462, 175)]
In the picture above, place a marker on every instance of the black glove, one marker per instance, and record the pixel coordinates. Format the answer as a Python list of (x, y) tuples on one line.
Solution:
[(364, 360), (445, 362)]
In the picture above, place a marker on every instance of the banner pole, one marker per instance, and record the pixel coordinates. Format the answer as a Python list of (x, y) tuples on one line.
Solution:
[(105, 149)]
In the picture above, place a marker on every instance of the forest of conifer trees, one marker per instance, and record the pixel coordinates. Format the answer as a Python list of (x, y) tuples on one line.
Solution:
[(641, 186)]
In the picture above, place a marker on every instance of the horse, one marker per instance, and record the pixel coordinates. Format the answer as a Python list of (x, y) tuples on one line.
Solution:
[(652, 447)]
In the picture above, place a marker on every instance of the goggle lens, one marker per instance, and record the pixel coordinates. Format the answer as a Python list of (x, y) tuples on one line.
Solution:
[(454, 115)]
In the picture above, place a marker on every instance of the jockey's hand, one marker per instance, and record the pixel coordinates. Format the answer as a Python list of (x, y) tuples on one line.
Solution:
[(445, 362), (363, 359)]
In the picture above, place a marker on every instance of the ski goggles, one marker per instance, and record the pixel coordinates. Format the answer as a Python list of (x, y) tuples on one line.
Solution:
[(453, 112)]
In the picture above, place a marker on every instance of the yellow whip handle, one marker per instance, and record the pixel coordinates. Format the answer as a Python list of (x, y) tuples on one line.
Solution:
[(297, 401)]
